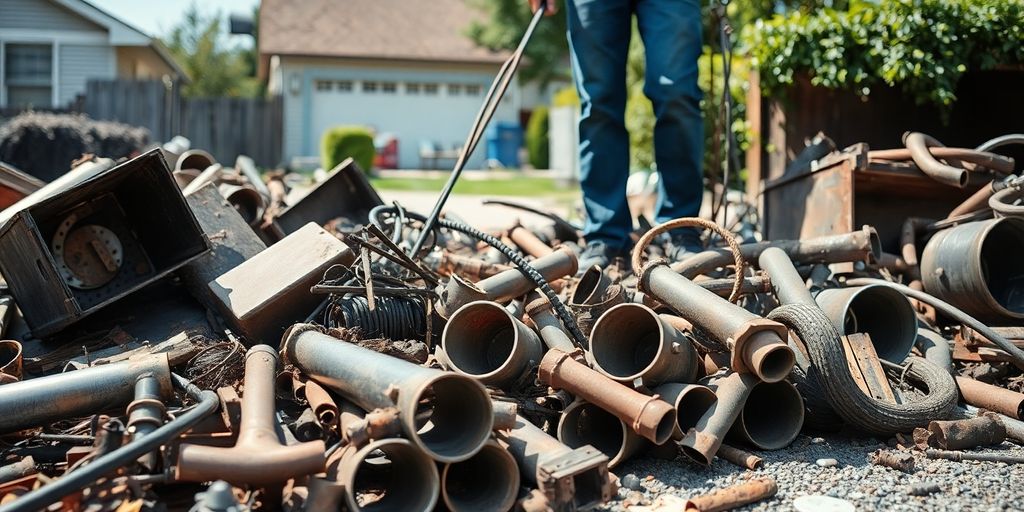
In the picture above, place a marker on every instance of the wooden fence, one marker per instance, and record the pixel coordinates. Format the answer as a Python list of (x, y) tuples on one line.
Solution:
[(226, 127)]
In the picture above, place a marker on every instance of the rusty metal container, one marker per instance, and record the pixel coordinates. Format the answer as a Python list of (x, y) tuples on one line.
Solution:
[(977, 268)]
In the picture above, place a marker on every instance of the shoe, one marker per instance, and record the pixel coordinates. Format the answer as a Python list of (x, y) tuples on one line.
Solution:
[(597, 253), (683, 244)]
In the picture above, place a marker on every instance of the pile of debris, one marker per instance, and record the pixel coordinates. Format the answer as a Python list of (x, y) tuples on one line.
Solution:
[(309, 351)]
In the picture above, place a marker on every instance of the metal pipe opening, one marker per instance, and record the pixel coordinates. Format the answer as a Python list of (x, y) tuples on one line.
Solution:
[(878, 311), (630, 341), (772, 416), (691, 401), (391, 474), (487, 481), (484, 341), (453, 417), (583, 423)]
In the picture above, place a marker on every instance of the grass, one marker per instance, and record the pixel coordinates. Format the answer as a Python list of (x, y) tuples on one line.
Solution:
[(525, 186)]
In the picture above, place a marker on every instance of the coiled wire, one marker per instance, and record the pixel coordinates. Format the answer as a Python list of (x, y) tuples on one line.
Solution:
[(395, 318)]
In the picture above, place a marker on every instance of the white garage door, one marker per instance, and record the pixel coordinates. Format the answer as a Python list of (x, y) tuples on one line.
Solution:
[(414, 111)]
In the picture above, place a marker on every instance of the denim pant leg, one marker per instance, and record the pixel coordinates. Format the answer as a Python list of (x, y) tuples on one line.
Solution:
[(599, 32), (671, 31)]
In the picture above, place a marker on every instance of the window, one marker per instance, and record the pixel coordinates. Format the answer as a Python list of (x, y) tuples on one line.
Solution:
[(28, 75), (430, 89), (389, 87), (344, 86), (473, 90), (454, 89), (412, 88), (371, 86), (323, 85)]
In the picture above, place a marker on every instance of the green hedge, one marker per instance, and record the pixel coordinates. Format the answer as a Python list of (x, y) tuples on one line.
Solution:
[(922, 46), (537, 138), (342, 142)]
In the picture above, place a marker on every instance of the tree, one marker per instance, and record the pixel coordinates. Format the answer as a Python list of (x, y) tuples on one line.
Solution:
[(546, 56), (197, 45)]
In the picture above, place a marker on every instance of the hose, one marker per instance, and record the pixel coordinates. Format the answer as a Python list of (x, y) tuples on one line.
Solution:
[(1003, 202), (106, 464), (690, 222), (829, 372), (952, 311)]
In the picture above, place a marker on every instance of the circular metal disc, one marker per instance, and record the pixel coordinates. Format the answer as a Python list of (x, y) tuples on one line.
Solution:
[(87, 256)]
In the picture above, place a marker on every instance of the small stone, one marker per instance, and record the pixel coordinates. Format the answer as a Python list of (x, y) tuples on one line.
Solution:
[(817, 440), (634, 498), (631, 482), (827, 463), (650, 477)]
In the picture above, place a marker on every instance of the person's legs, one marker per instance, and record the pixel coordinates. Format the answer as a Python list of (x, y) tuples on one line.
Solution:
[(671, 31), (599, 32)]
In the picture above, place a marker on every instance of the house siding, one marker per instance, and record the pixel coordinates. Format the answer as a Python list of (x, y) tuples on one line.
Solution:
[(42, 15), (79, 64)]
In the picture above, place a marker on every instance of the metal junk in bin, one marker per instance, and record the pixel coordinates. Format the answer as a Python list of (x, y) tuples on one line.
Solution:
[(82, 247)]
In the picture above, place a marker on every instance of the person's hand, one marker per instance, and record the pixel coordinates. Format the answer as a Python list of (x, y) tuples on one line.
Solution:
[(549, 8)]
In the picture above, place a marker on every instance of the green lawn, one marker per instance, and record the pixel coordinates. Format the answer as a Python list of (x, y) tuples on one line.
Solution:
[(526, 186)]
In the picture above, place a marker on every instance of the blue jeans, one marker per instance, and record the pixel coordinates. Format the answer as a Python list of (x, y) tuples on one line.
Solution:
[(599, 33)]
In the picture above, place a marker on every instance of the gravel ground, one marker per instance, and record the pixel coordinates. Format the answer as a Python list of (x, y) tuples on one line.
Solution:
[(966, 485)]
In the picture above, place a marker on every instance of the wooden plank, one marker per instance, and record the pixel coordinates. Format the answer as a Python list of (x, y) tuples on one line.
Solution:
[(866, 369)]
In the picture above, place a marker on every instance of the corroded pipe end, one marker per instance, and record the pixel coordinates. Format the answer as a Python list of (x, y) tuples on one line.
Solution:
[(768, 356), (486, 481), (879, 311), (701, 442), (457, 420), (700, 447), (691, 402), (630, 341), (583, 423), (457, 293), (591, 287), (483, 340), (771, 417), (409, 478)]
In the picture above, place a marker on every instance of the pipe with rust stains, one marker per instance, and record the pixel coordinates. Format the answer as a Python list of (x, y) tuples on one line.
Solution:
[(258, 457), (771, 417), (487, 481), (583, 423), (648, 416), (758, 345), (484, 341), (460, 408), (323, 406), (741, 458), (991, 398), (548, 325), (861, 245), (701, 442), (569, 479), (959, 434), (879, 311), (408, 477), (506, 285), (44, 400), (528, 242), (630, 342), (918, 144), (734, 496), (691, 402)]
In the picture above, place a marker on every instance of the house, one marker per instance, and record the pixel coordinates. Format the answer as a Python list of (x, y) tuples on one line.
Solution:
[(49, 49), (400, 67)]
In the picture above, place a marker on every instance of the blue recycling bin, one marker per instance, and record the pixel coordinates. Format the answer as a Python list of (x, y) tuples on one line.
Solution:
[(503, 142)]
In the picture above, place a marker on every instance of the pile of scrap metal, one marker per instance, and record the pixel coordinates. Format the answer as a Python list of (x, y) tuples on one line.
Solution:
[(332, 365)]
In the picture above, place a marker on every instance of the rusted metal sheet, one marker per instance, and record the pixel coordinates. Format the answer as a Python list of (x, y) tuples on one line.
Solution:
[(270, 291)]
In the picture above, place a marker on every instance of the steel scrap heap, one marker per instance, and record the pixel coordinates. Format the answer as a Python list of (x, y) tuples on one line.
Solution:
[(206, 339)]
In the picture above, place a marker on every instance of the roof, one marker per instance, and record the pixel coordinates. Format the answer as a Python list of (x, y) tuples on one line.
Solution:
[(121, 33), (433, 30)]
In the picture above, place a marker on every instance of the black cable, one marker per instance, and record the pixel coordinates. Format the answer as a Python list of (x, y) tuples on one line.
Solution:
[(107, 464)]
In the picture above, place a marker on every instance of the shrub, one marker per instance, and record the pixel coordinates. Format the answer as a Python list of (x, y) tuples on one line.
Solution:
[(537, 138), (342, 142)]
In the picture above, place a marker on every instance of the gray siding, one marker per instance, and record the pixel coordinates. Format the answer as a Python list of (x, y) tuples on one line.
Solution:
[(79, 64), (43, 15)]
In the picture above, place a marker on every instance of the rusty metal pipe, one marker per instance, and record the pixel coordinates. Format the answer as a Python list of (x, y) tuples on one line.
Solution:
[(879, 311), (570, 479), (246, 201), (258, 457), (44, 400), (475, 269), (771, 417), (961, 456), (918, 144), (504, 414), (24, 467), (991, 398), (978, 200), (146, 414), (583, 423), (460, 408), (861, 245), (701, 442), (741, 458), (691, 402), (976, 267), (487, 481), (993, 161), (734, 496), (322, 404), (483, 340), (591, 287), (548, 325), (959, 434), (787, 285), (758, 345), (528, 242), (647, 416), (408, 477), (630, 342), (506, 285), (359, 427), (723, 287)]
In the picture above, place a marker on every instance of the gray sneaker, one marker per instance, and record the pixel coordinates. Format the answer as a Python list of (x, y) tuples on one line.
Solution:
[(597, 253), (683, 244)]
